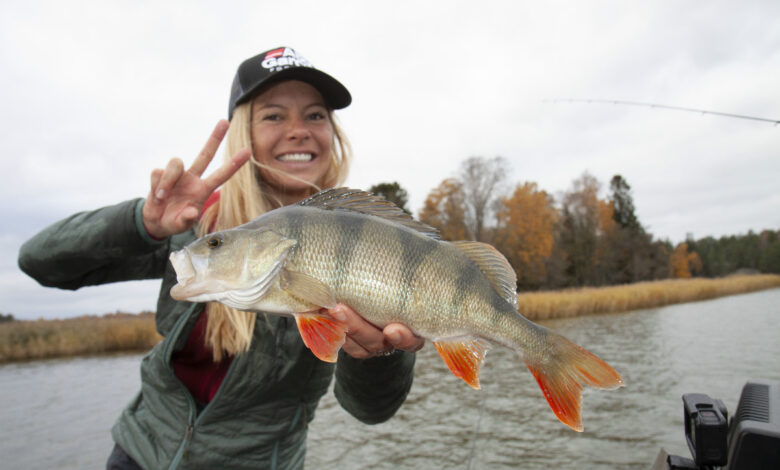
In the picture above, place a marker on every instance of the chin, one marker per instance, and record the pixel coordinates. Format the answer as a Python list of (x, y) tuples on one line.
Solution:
[(292, 191)]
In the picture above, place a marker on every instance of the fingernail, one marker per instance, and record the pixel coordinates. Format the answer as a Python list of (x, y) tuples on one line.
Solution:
[(394, 337), (160, 194)]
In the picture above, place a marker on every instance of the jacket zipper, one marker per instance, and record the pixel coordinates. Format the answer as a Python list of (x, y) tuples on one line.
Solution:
[(181, 451), (192, 420), (184, 448)]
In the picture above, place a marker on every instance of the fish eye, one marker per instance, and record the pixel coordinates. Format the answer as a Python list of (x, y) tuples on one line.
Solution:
[(214, 242)]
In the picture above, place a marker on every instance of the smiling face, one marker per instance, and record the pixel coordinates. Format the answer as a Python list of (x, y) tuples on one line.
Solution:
[(292, 136)]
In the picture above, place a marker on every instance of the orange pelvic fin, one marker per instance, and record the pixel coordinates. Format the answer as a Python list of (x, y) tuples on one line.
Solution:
[(563, 374), (323, 335), (464, 357)]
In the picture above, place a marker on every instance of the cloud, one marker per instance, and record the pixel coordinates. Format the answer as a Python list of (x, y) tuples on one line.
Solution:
[(97, 96)]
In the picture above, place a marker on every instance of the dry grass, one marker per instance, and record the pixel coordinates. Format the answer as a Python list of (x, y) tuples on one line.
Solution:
[(576, 302), (25, 340)]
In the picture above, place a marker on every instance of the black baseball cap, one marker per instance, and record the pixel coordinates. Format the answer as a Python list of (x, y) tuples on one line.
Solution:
[(283, 63)]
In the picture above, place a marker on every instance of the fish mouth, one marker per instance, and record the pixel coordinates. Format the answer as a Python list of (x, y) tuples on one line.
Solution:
[(182, 264), (189, 288), (202, 291)]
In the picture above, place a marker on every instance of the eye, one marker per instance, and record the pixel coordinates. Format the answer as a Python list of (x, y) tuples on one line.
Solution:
[(214, 242), (317, 116)]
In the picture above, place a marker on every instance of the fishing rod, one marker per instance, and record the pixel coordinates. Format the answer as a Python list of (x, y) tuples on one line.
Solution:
[(663, 106)]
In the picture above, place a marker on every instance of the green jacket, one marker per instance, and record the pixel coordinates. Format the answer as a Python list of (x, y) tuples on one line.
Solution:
[(259, 416)]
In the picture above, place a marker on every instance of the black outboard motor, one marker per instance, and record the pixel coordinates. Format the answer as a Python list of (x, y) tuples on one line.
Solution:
[(750, 442)]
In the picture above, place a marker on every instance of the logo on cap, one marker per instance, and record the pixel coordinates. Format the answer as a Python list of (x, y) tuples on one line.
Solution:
[(283, 58)]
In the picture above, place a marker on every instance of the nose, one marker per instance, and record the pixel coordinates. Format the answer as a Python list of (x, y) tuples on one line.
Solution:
[(297, 130)]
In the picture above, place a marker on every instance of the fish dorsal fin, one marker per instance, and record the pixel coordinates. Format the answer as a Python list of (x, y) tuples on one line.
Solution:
[(494, 266), (366, 203)]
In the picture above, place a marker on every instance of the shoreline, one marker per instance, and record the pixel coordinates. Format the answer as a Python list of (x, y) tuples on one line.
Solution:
[(574, 302), (24, 340)]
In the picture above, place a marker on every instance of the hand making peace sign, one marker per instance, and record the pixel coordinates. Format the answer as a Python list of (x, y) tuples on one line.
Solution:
[(177, 196)]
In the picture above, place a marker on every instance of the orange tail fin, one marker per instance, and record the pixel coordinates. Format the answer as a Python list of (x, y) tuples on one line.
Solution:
[(562, 375)]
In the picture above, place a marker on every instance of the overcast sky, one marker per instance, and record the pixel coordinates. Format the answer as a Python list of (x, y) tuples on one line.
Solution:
[(96, 94)]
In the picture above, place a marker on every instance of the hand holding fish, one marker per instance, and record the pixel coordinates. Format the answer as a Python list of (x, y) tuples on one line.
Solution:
[(364, 339), (177, 196)]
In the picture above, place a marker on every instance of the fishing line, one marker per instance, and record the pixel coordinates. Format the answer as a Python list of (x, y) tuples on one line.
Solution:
[(663, 106), (476, 429)]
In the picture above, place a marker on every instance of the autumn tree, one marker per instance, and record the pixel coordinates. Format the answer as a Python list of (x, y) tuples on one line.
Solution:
[(678, 262), (481, 180), (580, 229), (684, 263), (445, 209), (393, 192), (694, 264), (525, 233), (606, 258)]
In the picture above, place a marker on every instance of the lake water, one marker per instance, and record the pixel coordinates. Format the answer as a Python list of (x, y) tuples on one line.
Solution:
[(58, 413)]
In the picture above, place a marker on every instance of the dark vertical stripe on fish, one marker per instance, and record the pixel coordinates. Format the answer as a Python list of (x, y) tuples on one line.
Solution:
[(294, 220), (415, 251), (464, 286), (500, 305), (351, 229)]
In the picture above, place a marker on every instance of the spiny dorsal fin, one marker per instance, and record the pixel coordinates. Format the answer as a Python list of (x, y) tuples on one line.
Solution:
[(366, 203), (494, 266)]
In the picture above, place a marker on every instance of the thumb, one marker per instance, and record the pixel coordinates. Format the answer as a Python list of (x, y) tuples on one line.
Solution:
[(190, 215)]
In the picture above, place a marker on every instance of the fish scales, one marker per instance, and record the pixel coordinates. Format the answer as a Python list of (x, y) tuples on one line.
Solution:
[(359, 258), (347, 246), (392, 274)]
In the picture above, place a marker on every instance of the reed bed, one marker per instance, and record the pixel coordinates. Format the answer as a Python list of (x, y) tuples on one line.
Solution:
[(41, 339), (26, 340), (575, 302)]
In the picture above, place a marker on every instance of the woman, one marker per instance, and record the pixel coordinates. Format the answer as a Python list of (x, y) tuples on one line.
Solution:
[(230, 389)]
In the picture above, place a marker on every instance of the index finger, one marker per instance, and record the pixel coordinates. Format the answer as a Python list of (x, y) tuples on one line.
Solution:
[(227, 170), (359, 329), (207, 154), (401, 337)]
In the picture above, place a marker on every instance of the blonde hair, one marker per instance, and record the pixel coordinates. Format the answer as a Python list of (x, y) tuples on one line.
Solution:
[(244, 197)]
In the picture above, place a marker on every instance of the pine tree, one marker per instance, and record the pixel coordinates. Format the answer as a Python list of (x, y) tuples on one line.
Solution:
[(623, 203)]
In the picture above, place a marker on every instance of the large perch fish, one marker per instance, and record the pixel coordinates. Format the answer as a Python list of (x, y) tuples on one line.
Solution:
[(348, 246)]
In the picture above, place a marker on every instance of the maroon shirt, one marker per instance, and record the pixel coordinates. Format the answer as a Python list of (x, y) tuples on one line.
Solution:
[(194, 364)]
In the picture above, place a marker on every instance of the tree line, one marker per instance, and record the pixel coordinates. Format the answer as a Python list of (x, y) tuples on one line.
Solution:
[(577, 239)]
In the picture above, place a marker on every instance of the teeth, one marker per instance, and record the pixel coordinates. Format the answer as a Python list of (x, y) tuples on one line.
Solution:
[(296, 157)]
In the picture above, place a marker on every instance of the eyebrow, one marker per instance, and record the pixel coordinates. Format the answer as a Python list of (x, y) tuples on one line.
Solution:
[(275, 105), (267, 105)]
